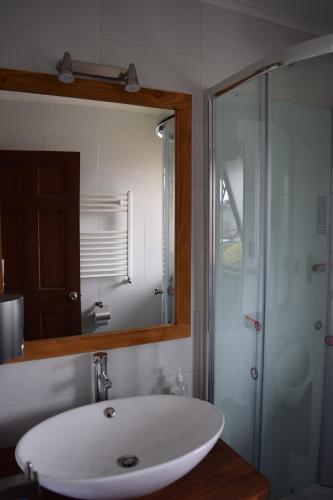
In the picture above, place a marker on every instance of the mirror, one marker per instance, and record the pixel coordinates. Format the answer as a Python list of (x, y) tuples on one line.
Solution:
[(126, 212), (112, 175)]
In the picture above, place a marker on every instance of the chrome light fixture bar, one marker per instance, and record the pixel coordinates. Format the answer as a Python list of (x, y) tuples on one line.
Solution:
[(67, 69)]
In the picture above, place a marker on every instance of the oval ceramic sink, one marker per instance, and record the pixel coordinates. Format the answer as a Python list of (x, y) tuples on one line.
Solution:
[(76, 453)]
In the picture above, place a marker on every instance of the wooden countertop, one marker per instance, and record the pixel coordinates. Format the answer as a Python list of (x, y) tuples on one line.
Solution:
[(223, 474)]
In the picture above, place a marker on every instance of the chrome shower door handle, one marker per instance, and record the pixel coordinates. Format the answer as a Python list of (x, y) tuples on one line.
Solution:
[(157, 291)]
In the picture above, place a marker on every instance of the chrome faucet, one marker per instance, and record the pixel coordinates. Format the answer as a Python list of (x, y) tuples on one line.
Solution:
[(102, 381)]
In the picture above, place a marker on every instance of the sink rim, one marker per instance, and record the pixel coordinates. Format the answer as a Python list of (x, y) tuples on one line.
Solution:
[(132, 472), (122, 472)]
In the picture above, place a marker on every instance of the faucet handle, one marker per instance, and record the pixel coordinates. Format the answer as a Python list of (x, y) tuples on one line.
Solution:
[(99, 356), (106, 382)]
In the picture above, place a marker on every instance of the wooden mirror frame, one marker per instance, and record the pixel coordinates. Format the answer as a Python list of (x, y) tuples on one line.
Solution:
[(181, 104)]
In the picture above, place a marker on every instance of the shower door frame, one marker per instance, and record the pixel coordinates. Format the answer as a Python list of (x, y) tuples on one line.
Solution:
[(261, 213), (297, 53)]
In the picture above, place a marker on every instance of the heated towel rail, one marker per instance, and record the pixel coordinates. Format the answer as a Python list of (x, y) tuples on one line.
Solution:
[(105, 254)]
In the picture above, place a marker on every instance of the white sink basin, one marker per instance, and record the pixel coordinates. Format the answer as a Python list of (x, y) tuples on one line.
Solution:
[(76, 452)]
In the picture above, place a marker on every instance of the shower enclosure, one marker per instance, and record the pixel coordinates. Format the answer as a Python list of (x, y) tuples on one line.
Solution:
[(270, 153)]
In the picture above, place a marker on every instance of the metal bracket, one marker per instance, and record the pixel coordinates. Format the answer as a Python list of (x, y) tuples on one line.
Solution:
[(254, 373), (329, 341)]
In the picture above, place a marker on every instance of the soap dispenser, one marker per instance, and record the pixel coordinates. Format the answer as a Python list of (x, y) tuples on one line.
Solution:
[(178, 388)]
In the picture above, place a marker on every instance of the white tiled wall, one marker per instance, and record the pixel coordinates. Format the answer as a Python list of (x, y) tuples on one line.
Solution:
[(119, 151), (130, 158), (179, 45)]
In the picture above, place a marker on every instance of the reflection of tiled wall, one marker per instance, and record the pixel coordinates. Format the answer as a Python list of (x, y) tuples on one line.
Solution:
[(119, 151), (130, 158), (183, 46)]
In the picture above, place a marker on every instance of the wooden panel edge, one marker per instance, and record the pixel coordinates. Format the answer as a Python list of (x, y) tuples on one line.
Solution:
[(1, 273), (43, 83), (65, 346), (47, 84), (183, 247)]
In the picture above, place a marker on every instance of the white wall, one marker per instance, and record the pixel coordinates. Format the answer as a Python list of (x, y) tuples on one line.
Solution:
[(179, 45)]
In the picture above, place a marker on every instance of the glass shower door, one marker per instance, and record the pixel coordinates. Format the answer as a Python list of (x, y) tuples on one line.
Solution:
[(271, 269), (297, 280), (238, 154)]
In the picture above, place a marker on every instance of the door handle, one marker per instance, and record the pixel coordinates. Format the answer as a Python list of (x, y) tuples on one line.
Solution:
[(73, 296), (255, 322), (157, 291), (320, 267)]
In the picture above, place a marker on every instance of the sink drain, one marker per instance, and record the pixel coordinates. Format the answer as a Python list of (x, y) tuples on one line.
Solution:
[(109, 412), (127, 461)]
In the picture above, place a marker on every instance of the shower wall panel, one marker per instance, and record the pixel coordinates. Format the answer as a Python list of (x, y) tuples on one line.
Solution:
[(296, 293)]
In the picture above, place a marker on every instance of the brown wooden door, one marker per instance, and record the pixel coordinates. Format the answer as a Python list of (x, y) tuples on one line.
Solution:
[(1, 275), (39, 197)]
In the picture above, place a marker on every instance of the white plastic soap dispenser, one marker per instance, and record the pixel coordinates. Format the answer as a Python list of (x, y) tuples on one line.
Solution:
[(178, 388)]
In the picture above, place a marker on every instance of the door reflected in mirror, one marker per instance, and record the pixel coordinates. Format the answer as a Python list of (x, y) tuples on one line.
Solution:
[(87, 199)]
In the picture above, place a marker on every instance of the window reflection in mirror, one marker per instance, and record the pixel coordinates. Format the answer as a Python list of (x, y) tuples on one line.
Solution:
[(127, 190)]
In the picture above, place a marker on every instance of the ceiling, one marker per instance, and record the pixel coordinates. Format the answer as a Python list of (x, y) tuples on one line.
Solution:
[(312, 16)]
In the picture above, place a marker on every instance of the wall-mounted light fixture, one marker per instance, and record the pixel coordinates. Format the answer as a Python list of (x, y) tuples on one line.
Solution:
[(67, 69)]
